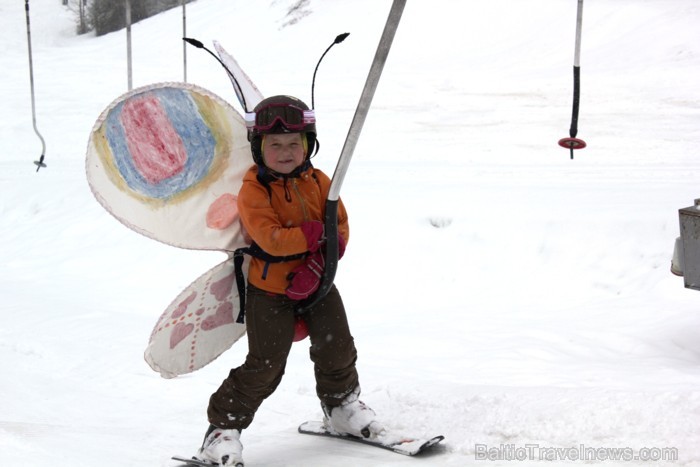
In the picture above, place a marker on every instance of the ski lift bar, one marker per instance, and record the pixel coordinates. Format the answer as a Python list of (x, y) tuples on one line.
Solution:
[(331, 214), (129, 73), (572, 142), (40, 163), (184, 45)]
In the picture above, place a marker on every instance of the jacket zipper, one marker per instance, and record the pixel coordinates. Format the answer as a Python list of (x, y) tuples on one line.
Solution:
[(305, 211)]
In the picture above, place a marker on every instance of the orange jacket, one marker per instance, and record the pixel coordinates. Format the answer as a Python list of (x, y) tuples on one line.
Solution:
[(273, 219)]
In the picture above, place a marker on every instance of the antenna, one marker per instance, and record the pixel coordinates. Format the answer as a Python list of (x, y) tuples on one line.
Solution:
[(340, 38)]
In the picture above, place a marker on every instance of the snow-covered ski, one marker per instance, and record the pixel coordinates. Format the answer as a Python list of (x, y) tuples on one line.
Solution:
[(198, 463), (191, 461), (408, 446)]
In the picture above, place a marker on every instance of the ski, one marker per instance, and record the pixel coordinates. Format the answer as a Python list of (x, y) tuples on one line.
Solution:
[(406, 445), (192, 462)]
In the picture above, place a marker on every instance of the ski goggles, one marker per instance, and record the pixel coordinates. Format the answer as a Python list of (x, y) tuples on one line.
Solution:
[(291, 117)]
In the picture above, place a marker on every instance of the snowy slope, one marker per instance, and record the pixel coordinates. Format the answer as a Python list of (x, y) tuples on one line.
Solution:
[(540, 310)]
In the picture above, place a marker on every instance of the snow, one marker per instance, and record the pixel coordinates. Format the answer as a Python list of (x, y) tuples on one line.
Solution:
[(500, 293)]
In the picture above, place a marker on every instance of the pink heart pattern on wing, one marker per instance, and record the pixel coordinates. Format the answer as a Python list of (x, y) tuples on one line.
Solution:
[(180, 331), (222, 288), (182, 307), (223, 315)]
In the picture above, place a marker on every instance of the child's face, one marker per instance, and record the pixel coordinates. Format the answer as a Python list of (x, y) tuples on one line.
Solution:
[(283, 152)]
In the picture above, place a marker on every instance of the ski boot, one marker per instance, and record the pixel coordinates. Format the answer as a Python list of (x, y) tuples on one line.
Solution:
[(352, 417), (222, 447)]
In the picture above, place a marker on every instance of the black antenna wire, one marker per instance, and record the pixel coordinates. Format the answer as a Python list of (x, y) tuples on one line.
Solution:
[(199, 45), (340, 38)]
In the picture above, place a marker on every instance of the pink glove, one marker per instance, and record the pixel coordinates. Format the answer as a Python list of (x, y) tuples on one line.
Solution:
[(305, 279), (313, 231)]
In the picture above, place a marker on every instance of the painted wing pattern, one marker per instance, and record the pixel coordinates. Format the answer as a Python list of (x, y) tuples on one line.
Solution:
[(167, 160)]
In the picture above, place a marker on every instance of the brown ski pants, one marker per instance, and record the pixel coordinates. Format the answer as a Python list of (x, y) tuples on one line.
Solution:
[(270, 327)]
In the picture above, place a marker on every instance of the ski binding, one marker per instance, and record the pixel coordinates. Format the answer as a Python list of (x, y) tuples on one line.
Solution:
[(192, 462)]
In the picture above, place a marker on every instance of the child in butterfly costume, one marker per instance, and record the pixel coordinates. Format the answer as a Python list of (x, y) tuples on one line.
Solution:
[(281, 205)]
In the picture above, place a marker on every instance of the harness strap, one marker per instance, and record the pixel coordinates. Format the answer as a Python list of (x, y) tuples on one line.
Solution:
[(255, 251)]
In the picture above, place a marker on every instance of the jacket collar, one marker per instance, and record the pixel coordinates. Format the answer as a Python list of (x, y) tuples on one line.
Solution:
[(267, 175)]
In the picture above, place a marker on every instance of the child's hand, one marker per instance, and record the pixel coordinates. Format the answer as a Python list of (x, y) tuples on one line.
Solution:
[(305, 279), (314, 233)]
